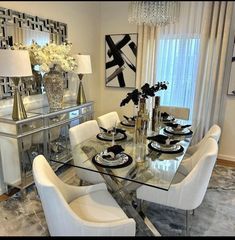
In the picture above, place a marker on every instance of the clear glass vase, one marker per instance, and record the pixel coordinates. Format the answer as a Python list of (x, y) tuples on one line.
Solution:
[(54, 86), (142, 121)]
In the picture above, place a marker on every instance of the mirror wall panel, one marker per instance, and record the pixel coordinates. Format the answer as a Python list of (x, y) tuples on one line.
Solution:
[(18, 27)]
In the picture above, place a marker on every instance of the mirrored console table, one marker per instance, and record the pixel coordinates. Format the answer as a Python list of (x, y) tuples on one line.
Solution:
[(43, 132)]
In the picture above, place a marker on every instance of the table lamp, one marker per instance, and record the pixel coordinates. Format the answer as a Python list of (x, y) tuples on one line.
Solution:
[(15, 64), (83, 67)]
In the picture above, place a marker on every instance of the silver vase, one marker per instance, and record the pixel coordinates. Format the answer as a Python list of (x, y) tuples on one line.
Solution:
[(54, 86)]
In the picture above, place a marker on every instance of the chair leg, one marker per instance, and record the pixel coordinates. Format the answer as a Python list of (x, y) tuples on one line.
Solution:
[(187, 223), (193, 212), (81, 182)]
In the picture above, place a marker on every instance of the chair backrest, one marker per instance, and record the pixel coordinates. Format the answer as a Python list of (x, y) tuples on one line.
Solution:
[(214, 132), (194, 185), (177, 112), (61, 220), (83, 131), (108, 120), (78, 134)]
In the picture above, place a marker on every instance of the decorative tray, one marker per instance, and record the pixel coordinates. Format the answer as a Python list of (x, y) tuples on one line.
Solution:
[(183, 132), (108, 136), (128, 123), (177, 148), (120, 160)]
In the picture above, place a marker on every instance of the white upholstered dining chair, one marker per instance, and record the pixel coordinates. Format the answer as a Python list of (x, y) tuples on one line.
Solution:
[(78, 210), (177, 112), (108, 120), (214, 132), (187, 164), (187, 193), (78, 134)]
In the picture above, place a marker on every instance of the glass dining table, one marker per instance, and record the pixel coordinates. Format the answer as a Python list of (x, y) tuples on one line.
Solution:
[(139, 163)]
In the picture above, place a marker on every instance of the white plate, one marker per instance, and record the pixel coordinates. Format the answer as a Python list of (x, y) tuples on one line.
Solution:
[(180, 131), (108, 136), (172, 148), (125, 122), (119, 159)]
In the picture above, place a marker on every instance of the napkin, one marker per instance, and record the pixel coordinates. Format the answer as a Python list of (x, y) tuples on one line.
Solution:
[(162, 139), (165, 115), (129, 118), (110, 131), (112, 151)]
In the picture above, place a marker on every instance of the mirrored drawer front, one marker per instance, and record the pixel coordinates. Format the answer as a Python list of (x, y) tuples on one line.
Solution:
[(74, 114), (30, 126), (86, 109), (58, 119)]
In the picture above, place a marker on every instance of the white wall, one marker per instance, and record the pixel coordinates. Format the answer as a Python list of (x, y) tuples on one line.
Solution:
[(227, 115), (82, 19), (114, 20)]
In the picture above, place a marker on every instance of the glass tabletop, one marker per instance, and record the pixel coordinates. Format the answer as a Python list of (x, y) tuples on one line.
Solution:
[(146, 163)]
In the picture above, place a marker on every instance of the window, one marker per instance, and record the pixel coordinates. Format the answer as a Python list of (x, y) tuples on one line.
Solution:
[(177, 64)]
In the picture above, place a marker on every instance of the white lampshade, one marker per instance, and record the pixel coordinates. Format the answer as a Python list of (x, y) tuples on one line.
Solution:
[(83, 64), (15, 63)]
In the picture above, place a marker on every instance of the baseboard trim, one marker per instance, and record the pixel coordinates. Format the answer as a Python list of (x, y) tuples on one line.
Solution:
[(226, 157), (226, 163)]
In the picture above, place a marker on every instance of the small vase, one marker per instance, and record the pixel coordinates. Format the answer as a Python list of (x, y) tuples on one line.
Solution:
[(54, 86), (156, 114)]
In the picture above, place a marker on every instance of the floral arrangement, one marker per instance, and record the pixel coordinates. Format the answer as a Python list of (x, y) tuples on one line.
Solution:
[(146, 91), (49, 56)]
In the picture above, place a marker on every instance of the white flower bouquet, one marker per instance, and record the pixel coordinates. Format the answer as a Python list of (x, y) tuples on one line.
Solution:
[(50, 56)]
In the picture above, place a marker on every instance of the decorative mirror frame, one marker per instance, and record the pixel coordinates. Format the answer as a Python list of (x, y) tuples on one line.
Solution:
[(58, 34)]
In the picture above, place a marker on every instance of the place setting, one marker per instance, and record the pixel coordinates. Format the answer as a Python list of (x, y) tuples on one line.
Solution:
[(178, 129), (112, 134), (112, 157), (165, 144), (128, 121)]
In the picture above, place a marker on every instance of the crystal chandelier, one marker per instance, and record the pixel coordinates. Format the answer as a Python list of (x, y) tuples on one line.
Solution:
[(157, 13)]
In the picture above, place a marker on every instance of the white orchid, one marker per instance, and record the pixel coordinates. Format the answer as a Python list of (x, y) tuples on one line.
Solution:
[(49, 56)]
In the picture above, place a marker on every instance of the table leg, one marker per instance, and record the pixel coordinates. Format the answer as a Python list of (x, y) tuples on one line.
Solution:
[(127, 201)]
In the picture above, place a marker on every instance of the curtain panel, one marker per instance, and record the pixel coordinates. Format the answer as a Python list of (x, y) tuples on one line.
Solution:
[(216, 22), (211, 22)]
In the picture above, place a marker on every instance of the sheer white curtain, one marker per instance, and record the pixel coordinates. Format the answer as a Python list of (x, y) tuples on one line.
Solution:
[(204, 25), (178, 54), (216, 22), (170, 54), (146, 57)]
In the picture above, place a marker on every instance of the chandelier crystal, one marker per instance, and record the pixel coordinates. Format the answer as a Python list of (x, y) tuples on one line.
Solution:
[(157, 13)]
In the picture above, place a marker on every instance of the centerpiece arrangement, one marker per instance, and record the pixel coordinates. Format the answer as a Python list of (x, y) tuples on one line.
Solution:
[(146, 91), (52, 60), (138, 97)]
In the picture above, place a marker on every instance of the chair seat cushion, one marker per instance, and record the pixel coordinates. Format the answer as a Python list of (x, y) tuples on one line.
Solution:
[(98, 206)]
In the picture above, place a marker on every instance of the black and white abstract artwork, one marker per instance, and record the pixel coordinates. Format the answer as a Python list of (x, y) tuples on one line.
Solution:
[(120, 60), (231, 87)]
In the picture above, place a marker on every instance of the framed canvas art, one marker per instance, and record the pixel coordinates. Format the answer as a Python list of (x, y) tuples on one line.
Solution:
[(120, 60)]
